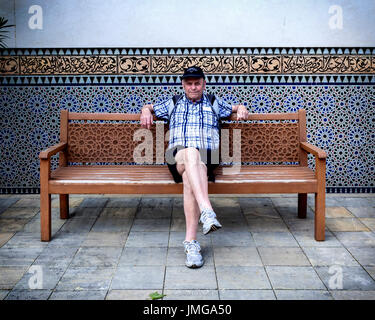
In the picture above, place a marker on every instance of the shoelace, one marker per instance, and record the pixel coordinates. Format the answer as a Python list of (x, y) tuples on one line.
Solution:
[(207, 214), (192, 247)]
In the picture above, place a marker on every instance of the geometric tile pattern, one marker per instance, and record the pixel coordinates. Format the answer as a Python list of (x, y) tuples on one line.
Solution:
[(336, 86)]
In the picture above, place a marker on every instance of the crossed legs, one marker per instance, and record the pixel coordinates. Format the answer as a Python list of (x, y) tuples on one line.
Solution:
[(194, 176)]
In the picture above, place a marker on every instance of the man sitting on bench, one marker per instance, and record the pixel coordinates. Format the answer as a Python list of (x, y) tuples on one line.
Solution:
[(192, 154)]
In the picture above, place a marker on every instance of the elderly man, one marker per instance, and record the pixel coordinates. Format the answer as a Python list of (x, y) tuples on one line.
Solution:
[(194, 120)]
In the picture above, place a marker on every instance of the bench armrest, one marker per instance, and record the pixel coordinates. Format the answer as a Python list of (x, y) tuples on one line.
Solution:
[(321, 154), (48, 153)]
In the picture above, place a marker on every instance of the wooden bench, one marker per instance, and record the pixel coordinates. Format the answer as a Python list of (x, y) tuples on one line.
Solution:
[(89, 140)]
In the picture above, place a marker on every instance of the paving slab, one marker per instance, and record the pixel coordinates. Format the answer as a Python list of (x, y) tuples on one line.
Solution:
[(19, 256), (59, 257), (151, 225), (345, 224), (261, 212), (181, 277), (306, 239), (19, 213), (338, 212), (85, 212), (39, 277), (107, 224), (266, 225), (86, 278), (78, 295), (237, 256), (156, 202), (28, 295), (147, 239), (143, 256), (191, 295), (131, 294), (353, 295), (240, 277), (287, 277), (121, 212), (364, 255), (368, 222), (362, 212), (221, 238), (78, 225), (274, 239), (123, 202), (10, 275), (96, 257), (356, 239), (138, 277), (105, 239), (303, 295), (346, 278), (94, 202), (176, 239), (230, 294), (283, 256), (330, 256), (154, 213), (5, 236)]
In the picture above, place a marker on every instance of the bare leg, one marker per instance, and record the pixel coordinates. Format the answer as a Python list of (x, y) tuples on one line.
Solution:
[(189, 161), (191, 210)]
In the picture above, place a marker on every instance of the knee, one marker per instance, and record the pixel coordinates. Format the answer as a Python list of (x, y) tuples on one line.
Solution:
[(192, 156)]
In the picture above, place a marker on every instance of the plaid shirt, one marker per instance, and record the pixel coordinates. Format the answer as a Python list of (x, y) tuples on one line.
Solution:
[(193, 124)]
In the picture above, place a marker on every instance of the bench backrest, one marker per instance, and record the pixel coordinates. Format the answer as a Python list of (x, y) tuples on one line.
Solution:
[(109, 137)]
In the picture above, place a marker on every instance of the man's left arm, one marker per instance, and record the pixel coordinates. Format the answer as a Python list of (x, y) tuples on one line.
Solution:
[(241, 110)]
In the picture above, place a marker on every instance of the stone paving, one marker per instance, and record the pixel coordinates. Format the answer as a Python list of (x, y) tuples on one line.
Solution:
[(116, 247)]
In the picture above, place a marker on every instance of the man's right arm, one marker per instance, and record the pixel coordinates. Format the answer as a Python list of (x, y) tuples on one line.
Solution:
[(146, 116)]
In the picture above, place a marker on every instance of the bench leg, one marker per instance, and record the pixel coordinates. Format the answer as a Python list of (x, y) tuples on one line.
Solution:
[(302, 205), (64, 206), (45, 216), (320, 208)]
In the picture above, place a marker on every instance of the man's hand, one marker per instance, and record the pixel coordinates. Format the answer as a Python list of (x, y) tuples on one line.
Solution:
[(242, 113), (146, 116)]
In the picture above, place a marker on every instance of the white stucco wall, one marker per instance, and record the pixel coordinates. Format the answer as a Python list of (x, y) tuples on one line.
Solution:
[(194, 23)]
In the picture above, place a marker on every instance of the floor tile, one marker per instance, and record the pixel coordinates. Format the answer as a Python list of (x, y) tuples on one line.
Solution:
[(329, 256), (143, 256), (303, 295), (283, 256), (28, 295), (94, 202), (262, 212), (147, 239), (96, 257), (368, 222), (365, 256), (10, 275), (356, 239), (237, 256), (274, 239), (138, 277), (195, 294), (86, 278), (181, 277), (78, 295), (294, 278), (346, 278), (151, 225), (124, 213), (232, 239), (345, 224), (233, 277), (105, 224), (105, 239), (132, 202), (266, 225), (306, 239), (338, 212), (19, 213), (131, 294), (154, 213), (230, 294), (176, 239), (353, 295), (362, 212)]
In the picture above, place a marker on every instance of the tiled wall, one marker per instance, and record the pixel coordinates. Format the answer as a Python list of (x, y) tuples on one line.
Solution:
[(335, 85)]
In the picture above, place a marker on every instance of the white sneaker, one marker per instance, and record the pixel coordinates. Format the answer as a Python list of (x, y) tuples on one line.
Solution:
[(194, 258), (209, 221)]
